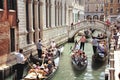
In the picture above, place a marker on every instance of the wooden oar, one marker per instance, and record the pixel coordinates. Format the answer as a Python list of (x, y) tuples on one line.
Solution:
[(70, 49)]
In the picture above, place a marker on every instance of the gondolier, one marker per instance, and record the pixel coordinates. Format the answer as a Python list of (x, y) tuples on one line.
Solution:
[(82, 42), (95, 44), (20, 64), (39, 48)]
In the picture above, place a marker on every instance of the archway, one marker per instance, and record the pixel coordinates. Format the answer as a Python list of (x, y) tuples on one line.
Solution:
[(95, 17), (102, 18), (89, 17)]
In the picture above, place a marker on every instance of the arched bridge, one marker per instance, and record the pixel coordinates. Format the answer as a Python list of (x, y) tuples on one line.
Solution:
[(98, 25)]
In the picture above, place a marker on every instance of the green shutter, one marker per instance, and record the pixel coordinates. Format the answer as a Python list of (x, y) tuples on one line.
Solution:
[(1, 4)]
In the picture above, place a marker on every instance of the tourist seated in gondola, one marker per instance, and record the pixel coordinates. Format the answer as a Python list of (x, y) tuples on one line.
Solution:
[(79, 57), (45, 69), (37, 69), (101, 49)]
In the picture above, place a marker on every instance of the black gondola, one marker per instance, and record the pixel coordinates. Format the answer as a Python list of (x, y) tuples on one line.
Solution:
[(35, 58), (100, 37), (38, 76), (80, 64), (55, 61), (98, 59)]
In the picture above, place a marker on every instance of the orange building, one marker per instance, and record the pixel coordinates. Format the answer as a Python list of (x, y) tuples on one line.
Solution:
[(94, 9), (112, 9)]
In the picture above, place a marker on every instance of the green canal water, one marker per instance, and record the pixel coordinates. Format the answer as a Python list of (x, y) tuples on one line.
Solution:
[(67, 72)]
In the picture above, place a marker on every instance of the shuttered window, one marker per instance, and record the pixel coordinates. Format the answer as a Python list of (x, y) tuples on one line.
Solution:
[(11, 4), (1, 4)]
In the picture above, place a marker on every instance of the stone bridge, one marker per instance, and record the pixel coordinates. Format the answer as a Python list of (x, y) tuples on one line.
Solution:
[(98, 25)]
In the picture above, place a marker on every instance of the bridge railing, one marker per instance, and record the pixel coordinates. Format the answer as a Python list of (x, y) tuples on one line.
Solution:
[(92, 24), (87, 24)]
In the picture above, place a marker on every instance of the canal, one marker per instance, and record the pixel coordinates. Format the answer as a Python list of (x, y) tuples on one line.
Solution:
[(67, 72)]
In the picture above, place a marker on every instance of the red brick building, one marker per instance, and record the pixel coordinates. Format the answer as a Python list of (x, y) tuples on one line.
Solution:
[(8, 28)]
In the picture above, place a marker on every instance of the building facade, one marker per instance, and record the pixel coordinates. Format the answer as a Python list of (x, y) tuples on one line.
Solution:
[(112, 9), (94, 9), (24, 22), (8, 29), (77, 10)]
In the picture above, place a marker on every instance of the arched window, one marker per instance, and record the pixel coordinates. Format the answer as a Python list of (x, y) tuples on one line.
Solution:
[(111, 10), (65, 13), (61, 13), (55, 13), (48, 13), (46, 1), (27, 23)]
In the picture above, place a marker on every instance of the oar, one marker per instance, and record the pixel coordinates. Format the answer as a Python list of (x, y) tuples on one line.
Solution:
[(70, 49)]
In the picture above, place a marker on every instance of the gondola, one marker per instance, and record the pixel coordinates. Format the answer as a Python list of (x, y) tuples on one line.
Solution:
[(35, 58), (80, 64), (98, 59), (102, 37), (38, 76)]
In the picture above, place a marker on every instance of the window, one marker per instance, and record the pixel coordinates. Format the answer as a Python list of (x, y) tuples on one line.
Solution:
[(111, 10), (65, 13), (27, 22), (12, 39), (39, 14), (101, 8), (118, 10), (88, 8), (50, 13), (118, 1), (96, 7), (47, 13), (1, 4), (58, 13), (80, 2), (61, 13), (55, 14), (111, 1), (11, 4), (33, 15)]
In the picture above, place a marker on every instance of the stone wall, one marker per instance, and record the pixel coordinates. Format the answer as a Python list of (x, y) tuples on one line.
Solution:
[(58, 34)]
